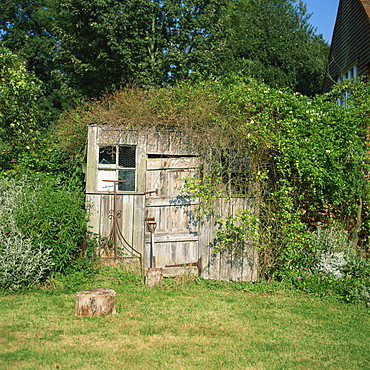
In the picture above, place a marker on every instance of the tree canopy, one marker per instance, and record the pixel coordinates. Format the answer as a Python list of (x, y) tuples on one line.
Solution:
[(83, 47), (273, 41)]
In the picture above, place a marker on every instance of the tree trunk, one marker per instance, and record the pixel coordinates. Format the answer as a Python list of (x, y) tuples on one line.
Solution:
[(153, 276), (95, 302)]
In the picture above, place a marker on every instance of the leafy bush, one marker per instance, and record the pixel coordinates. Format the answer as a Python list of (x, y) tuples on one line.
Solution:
[(357, 275), (54, 215), (332, 263), (49, 214), (332, 247), (330, 240), (19, 90), (335, 269), (22, 263)]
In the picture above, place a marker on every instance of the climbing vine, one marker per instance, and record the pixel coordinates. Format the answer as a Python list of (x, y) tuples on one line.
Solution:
[(300, 160)]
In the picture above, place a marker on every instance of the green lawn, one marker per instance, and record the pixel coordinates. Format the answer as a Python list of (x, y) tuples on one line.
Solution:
[(183, 326)]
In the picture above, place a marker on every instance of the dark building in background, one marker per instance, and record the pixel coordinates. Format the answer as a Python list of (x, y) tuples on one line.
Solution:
[(350, 47)]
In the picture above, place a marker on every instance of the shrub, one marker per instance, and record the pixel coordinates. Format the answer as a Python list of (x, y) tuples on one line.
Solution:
[(335, 269), (357, 275), (49, 214), (332, 248), (54, 215), (22, 263)]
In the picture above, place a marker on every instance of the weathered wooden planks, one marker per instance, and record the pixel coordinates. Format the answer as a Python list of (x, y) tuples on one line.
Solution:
[(180, 237)]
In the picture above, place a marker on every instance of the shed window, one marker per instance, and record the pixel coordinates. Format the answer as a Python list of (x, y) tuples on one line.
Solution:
[(117, 163), (107, 155)]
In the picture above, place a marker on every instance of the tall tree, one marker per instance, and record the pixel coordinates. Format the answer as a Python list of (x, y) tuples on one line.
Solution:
[(192, 32), (149, 42), (104, 42), (19, 91), (273, 41), (28, 28), (82, 47)]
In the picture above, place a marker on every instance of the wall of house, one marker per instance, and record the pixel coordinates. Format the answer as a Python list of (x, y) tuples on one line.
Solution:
[(351, 41)]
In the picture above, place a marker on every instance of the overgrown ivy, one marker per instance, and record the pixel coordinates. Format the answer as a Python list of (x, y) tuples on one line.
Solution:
[(19, 116), (302, 159)]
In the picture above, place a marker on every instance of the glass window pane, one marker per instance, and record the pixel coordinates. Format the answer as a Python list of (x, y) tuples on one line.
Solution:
[(107, 155), (129, 176)]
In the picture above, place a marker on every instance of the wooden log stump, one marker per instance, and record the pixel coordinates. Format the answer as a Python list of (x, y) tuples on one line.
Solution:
[(153, 276), (95, 302)]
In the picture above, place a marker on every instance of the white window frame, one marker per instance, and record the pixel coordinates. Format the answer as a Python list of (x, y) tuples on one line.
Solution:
[(111, 171), (349, 74)]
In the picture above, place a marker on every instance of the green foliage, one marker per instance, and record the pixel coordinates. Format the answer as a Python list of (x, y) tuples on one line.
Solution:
[(236, 231), (301, 159), (121, 276), (53, 214), (24, 144), (73, 280), (19, 91), (357, 277), (84, 47), (272, 41), (329, 267), (349, 288), (107, 42), (205, 188), (29, 28), (22, 262)]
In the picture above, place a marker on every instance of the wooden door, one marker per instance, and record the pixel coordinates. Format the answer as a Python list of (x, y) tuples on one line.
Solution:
[(176, 233)]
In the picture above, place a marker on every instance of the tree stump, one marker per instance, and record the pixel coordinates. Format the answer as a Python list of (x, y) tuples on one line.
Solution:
[(95, 302), (153, 276)]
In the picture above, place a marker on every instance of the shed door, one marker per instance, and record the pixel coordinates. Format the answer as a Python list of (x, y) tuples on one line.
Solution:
[(176, 233)]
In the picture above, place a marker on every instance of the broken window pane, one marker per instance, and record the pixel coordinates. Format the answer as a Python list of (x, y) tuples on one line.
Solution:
[(107, 155)]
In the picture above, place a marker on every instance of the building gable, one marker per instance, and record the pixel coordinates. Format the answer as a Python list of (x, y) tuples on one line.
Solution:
[(350, 42)]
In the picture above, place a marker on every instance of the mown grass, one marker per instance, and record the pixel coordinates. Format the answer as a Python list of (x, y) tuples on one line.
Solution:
[(182, 325)]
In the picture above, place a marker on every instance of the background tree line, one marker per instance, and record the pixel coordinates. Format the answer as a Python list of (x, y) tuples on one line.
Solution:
[(81, 48)]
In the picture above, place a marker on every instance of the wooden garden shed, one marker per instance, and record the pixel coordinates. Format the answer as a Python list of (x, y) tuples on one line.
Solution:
[(140, 214)]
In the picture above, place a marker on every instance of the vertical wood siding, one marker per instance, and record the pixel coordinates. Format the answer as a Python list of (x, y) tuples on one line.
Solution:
[(164, 159)]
